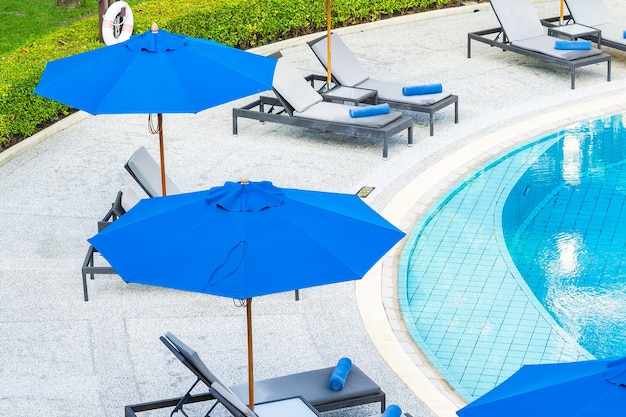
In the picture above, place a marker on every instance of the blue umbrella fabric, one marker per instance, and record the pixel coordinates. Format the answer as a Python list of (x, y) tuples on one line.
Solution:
[(594, 388), (243, 240), (154, 73)]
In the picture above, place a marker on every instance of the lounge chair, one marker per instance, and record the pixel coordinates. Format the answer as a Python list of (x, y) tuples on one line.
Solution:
[(297, 103), (145, 170), (521, 31), (594, 14), (311, 385), (347, 71)]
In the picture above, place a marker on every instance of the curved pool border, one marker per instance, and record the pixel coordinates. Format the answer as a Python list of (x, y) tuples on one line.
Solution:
[(377, 293)]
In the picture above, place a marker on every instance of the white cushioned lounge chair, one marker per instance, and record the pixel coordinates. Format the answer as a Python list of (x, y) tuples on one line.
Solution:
[(347, 71), (593, 13), (521, 31), (297, 103)]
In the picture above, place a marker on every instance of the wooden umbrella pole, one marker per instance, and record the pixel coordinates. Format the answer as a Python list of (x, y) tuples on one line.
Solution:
[(250, 361), (328, 43), (162, 152), (562, 12)]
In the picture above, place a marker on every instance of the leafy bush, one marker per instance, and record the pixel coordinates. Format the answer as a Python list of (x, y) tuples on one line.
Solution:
[(240, 23)]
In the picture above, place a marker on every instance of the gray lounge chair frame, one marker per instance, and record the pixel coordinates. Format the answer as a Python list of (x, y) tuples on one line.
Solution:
[(430, 109), (501, 41), (279, 110), (89, 267), (310, 385)]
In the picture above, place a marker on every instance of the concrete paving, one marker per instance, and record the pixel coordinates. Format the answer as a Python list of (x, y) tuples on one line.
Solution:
[(61, 356)]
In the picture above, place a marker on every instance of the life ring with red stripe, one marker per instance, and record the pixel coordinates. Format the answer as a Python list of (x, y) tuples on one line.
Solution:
[(112, 34)]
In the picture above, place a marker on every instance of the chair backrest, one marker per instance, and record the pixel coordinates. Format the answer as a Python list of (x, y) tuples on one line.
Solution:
[(293, 88), (589, 12), (129, 199), (145, 170), (229, 400), (344, 67), (189, 358), (518, 19)]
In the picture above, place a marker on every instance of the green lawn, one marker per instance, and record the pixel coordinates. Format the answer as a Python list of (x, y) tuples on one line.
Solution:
[(23, 21)]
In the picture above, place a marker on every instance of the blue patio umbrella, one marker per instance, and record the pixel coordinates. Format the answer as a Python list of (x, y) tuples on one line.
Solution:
[(156, 72), (594, 388), (246, 239)]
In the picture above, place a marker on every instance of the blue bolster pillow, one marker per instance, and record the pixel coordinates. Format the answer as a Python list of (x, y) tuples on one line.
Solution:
[(624, 34), (392, 411), (340, 373), (572, 45), (418, 90), (370, 110)]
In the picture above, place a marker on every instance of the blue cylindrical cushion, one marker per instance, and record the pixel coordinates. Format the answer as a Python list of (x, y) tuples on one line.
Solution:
[(392, 411), (418, 90), (369, 110), (572, 45), (340, 374)]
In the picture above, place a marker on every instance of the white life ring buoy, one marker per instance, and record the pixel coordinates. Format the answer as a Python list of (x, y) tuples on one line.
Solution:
[(108, 30)]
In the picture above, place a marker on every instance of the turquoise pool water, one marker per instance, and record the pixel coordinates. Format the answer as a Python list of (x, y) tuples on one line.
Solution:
[(523, 260)]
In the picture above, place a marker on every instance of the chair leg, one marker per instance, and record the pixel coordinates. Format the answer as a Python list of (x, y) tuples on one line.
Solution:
[(235, 125), (432, 123), (85, 294), (88, 263)]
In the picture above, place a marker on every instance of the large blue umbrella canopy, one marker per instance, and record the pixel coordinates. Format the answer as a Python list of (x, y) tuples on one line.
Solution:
[(243, 240), (246, 239), (594, 388), (156, 72)]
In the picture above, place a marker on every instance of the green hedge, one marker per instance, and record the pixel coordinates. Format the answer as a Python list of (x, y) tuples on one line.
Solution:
[(239, 23)]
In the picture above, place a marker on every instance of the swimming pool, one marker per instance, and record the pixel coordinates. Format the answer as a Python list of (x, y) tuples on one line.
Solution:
[(469, 304)]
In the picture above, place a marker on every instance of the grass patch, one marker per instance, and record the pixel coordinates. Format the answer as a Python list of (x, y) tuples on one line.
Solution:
[(25, 21)]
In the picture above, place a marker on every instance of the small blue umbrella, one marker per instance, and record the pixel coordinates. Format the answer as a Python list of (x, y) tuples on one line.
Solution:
[(156, 72), (246, 239), (594, 388)]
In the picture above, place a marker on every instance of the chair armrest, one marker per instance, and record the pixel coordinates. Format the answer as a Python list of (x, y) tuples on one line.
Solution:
[(321, 81)]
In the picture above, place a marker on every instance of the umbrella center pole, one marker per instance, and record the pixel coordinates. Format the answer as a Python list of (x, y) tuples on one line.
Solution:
[(159, 130), (250, 361), (328, 44)]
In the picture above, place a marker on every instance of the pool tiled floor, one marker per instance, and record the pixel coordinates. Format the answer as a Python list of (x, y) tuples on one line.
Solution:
[(464, 302)]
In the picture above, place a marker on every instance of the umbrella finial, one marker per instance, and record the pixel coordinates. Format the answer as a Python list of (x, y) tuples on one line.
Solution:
[(244, 178), (154, 28)]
